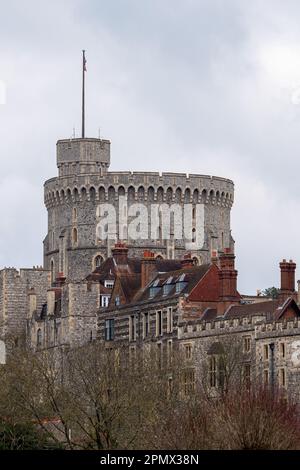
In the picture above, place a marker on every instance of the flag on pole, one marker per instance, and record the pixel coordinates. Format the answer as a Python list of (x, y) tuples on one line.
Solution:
[(84, 64)]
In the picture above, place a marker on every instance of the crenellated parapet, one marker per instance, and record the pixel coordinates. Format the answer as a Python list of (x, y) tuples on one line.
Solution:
[(258, 324), (139, 187)]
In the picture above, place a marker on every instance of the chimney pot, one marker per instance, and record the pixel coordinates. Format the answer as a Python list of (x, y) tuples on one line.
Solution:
[(148, 268)]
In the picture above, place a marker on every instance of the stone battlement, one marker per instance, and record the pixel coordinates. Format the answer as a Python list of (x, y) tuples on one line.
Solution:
[(139, 186), (259, 324)]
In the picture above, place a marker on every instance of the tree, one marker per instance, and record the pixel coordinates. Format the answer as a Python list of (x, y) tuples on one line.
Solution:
[(272, 292)]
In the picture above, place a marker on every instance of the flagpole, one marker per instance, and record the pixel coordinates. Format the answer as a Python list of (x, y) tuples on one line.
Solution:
[(83, 95)]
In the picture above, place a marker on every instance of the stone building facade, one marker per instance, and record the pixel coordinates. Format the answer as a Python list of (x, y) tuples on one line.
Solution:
[(198, 312), (84, 184), (14, 300)]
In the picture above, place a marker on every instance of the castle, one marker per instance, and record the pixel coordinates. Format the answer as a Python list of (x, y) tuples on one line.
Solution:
[(84, 184), (160, 292)]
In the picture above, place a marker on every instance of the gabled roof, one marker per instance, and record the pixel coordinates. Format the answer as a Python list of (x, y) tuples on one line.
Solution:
[(272, 309)]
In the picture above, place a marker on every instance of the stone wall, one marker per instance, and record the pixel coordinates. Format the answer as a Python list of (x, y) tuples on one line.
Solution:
[(14, 302), (73, 203)]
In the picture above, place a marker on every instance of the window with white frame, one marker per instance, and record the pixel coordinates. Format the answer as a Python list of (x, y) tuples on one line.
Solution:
[(104, 300), (109, 284)]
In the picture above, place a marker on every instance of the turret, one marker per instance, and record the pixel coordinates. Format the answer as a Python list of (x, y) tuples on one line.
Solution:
[(83, 156)]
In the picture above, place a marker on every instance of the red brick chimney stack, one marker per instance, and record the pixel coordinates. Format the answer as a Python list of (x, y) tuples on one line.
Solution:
[(214, 257), (120, 253), (228, 293), (287, 279), (187, 261), (60, 279), (148, 268)]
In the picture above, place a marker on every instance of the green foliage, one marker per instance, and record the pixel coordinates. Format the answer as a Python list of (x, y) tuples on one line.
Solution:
[(271, 292), (22, 436)]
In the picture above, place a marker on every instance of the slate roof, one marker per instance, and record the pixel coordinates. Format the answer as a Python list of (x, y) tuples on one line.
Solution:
[(189, 276)]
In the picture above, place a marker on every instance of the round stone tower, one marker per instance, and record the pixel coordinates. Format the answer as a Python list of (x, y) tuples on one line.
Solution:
[(74, 200)]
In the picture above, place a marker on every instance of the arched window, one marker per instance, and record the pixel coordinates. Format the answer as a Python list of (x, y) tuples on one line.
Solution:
[(92, 193), (39, 338), (74, 214), (187, 195), (74, 236), (151, 193), (160, 194), (98, 261)]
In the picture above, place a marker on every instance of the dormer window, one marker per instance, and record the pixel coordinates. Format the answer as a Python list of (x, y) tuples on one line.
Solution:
[(154, 289), (180, 286), (168, 286), (180, 283), (117, 300), (109, 284)]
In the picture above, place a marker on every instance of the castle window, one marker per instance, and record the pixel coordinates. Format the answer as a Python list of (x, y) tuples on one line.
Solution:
[(246, 344), (282, 377), (109, 329), (266, 352), (75, 236), (282, 350), (98, 261), (104, 300), (188, 382), (74, 214), (170, 320), (132, 328), (146, 328), (159, 323), (39, 338), (170, 387), (213, 371), (109, 284), (193, 235), (188, 351)]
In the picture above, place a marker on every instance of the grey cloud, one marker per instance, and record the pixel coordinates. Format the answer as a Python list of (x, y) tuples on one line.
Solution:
[(189, 86)]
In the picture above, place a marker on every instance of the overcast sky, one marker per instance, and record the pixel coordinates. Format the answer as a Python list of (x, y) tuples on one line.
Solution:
[(196, 86)]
